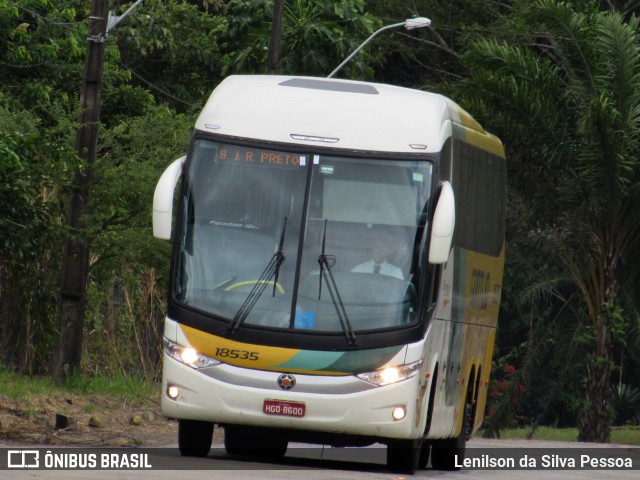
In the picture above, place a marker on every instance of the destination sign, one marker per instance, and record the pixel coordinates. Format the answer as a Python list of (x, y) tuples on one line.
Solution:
[(258, 157)]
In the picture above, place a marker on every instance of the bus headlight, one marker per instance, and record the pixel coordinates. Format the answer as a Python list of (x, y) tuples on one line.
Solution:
[(188, 355), (390, 375)]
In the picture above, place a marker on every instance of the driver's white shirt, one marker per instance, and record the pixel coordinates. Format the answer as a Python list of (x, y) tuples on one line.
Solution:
[(385, 269)]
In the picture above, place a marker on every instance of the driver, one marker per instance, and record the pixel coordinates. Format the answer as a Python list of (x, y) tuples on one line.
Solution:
[(380, 252)]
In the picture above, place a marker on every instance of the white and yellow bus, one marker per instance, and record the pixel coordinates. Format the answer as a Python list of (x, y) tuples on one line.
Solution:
[(319, 290)]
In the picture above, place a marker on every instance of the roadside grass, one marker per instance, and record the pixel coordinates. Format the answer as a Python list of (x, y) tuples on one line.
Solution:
[(88, 409), (629, 435), (18, 387)]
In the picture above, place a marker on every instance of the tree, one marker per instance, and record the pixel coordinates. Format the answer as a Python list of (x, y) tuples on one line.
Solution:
[(430, 58), (567, 104), (41, 70), (32, 165), (36, 159), (174, 49), (316, 36)]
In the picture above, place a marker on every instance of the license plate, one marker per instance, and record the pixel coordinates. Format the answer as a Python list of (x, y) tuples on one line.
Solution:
[(284, 408)]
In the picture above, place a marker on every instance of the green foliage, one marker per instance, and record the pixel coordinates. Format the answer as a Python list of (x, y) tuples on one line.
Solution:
[(626, 404), (32, 165), (38, 111), (134, 150), (174, 50), (42, 40), (558, 82), (316, 36), (20, 387), (430, 58), (129, 271), (504, 397), (567, 106), (621, 436)]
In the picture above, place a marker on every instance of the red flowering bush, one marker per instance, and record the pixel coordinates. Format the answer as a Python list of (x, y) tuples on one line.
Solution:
[(503, 397)]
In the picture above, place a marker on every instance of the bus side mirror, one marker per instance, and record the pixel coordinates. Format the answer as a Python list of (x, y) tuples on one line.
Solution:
[(444, 221), (163, 199)]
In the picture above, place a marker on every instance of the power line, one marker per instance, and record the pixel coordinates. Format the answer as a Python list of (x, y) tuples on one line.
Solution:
[(157, 88), (79, 31), (64, 25)]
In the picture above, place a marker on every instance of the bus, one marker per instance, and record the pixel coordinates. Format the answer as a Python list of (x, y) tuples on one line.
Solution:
[(337, 263)]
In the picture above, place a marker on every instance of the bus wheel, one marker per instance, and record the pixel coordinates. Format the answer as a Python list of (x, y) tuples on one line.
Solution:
[(444, 453), (253, 441), (403, 456), (194, 438)]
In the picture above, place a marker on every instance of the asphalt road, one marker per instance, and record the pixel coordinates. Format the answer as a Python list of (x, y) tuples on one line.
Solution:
[(316, 463)]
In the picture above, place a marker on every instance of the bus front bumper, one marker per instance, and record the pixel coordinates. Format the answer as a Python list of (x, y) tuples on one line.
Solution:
[(227, 394)]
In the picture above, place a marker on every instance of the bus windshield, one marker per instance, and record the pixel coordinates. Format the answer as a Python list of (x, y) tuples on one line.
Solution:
[(301, 241)]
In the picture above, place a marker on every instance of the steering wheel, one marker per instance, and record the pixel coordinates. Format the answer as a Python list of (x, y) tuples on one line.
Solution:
[(254, 282)]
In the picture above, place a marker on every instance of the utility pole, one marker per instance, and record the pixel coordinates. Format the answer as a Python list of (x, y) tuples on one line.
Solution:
[(276, 34), (75, 266)]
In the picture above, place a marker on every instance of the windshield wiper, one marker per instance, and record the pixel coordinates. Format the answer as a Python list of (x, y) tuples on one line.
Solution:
[(271, 271), (279, 256), (326, 263)]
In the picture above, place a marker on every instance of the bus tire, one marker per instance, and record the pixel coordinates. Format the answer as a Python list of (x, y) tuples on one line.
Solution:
[(403, 456), (445, 452), (194, 438)]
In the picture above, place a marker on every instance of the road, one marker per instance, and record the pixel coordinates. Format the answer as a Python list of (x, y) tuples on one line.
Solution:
[(316, 463)]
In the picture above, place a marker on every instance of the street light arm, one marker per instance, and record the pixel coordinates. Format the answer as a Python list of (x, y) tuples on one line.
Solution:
[(409, 24), (115, 21), (354, 53)]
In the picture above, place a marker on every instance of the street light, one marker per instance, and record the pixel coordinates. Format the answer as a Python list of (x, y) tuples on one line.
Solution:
[(409, 24)]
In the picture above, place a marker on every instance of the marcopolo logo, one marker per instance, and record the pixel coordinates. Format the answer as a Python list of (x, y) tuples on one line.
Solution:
[(286, 381), (23, 459)]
